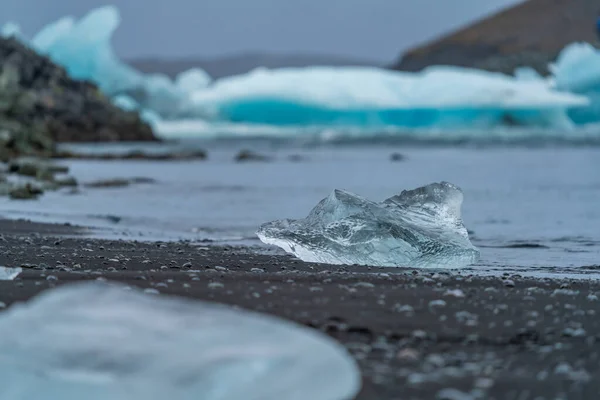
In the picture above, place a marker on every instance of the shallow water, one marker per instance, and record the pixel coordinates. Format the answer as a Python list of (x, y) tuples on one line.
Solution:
[(533, 208)]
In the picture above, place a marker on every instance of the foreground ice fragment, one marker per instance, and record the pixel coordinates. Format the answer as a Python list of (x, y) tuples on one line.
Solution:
[(8, 273), (418, 228), (97, 341)]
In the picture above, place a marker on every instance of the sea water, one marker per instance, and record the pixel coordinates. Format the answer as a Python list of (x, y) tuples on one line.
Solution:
[(525, 207)]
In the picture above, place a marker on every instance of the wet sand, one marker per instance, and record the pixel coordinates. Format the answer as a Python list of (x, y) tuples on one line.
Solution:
[(415, 334)]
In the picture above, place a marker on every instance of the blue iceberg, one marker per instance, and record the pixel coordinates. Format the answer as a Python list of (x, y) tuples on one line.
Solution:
[(577, 70), (351, 99), (98, 341)]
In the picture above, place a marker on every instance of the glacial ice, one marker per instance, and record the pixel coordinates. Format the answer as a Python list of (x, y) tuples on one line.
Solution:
[(11, 29), (577, 70), (361, 96), (98, 341), (192, 80), (342, 98), (417, 228), (9, 273)]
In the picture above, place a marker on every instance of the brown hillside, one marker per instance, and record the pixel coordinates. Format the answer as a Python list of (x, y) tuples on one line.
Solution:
[(531, 33)]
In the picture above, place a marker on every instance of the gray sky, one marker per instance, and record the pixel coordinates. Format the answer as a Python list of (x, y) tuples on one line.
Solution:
[(370, 29)]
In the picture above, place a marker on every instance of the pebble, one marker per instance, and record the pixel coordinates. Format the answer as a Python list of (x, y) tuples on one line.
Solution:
[(364, 285), (509, 283), (455, 293), (437, 303)]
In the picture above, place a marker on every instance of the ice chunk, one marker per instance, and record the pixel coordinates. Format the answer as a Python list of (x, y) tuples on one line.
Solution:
[(529, 74), (83, 47), (192, 80), (577, 70), (11, 29), (8, 273), (52, 33), (96, 341), (417, 228), (125, 102)]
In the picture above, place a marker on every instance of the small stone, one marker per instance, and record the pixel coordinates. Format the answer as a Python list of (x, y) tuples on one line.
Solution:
[(437, 303), (509, 283), (455, 293), (215, 285), (408, 355)]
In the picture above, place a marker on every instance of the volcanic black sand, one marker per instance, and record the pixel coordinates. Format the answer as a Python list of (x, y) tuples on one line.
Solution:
[(415, 334)]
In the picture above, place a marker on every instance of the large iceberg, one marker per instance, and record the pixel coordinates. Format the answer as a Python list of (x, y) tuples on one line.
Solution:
[(417, 228), (96, 341), (84, 48), (442, 97), (362, 99)]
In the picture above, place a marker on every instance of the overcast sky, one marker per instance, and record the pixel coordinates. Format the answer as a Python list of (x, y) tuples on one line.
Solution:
[(369, 29)]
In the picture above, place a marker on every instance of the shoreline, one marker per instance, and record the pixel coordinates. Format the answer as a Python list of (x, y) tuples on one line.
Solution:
[(415, 334)]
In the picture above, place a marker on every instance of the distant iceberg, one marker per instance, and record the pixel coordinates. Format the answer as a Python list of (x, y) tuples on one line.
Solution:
[(577, 70), (442, 97), (417, 228), (359, 99), (98, 341)]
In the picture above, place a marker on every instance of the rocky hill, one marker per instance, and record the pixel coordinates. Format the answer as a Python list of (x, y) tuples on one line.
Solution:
[(529, 34), (40, 105)]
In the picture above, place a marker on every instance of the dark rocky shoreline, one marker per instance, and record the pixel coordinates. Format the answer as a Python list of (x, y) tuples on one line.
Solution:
[(415, 334)]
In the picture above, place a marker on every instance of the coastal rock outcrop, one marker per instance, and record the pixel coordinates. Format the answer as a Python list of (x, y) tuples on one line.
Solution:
[(41, 105)]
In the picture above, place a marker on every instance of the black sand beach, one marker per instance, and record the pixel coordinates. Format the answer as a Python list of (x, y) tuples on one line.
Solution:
[(415, 334)]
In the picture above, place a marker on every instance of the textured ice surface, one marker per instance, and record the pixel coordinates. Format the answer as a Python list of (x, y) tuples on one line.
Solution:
[(417, 228), (8, 273), (96, 341), (343, 98)]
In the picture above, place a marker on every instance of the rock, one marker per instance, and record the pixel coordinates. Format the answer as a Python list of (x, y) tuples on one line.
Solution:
[(40, 105), (118, 182), (297, 158), (27, 167), (41, 170), (67, 181), (27, 191), (134, 155), (5, 188), (396, 157), (247, 155)]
